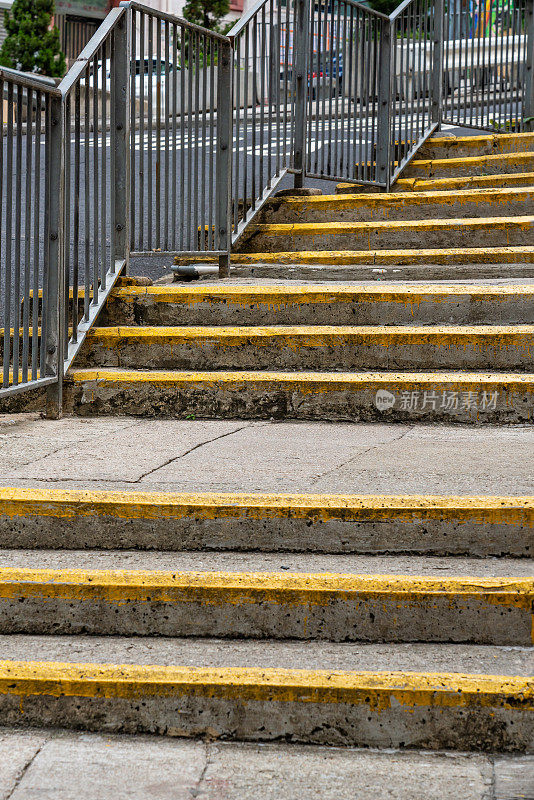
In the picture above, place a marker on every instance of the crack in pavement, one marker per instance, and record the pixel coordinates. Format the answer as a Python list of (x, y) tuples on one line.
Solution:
[(197, 789), (191, 449), (362, 453), (24, 770)]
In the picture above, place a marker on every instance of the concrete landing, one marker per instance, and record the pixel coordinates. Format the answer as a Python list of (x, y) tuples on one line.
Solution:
[(265, 456), (53, 765)]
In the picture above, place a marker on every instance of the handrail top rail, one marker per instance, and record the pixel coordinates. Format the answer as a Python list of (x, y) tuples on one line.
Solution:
[(39, 83), (398, 11), (173, 19), (245, 19)]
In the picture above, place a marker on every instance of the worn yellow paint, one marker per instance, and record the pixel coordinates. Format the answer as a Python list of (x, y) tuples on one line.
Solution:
[(399, 200), (222, 588), (525, 139), (460, 182), (475, 163), (321, 293), (72, 503), (478, 337), (376, 690), (454, 255), (391, 226), (312, 382)]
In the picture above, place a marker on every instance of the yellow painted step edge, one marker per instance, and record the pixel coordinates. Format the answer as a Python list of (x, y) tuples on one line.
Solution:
[(117, 586), (473, 161), (309, 381), (269, 295), (72, 503), (454, 255), (418, 184), (317, 334), (491, 138), (351, 201), (379, 690), (322, 228)]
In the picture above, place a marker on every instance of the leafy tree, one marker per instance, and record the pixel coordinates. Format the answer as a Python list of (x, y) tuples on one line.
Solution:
[(385, 6), (207, 13), (31, 44)]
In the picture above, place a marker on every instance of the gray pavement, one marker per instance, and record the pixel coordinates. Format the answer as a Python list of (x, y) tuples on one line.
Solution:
[(52, 765), (469, 659), (270, 456)]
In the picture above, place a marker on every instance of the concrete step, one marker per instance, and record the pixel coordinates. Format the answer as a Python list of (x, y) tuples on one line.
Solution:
[(325, 304), (403, 347), (424, 696), (427, 525), (496, 164), (472, 146), (471, 203), (457, 397), (280, 605), (482, 181), (258, 605), (449, 233)]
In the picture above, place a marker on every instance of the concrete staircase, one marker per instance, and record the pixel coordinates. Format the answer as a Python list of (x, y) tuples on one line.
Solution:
[(366, 350), (369, 621)]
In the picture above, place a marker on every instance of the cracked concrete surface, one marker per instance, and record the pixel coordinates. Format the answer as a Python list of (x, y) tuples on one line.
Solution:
[(199, 455), (52, 765)]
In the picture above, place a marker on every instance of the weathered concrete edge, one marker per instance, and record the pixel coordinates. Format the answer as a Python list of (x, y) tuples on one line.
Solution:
[(48, 518), (484, 713)]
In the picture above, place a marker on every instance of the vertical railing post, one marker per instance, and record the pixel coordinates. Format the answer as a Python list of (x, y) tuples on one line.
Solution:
[(528, 98), (437, 62), (223, 180), (53, 313), (385, 81), (120, 140), (300, 58)]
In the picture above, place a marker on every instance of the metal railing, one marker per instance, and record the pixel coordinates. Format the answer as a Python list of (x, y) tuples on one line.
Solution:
[(488, 63), (345, 76), (180, 121), (164, 138), (29, 235), (265, 85)]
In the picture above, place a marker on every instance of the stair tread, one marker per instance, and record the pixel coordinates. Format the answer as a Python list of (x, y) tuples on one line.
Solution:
[(270, 654), (391, 198), (171, 376), (263, 291), (271, 331), (391, 225), (482, 159), (280, 564)]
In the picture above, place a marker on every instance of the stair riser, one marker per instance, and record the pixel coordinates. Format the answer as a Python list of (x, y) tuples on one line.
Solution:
[(468, 147), (372, 310), (362, 352), (446, 236), (297, 718), (489, 165), (514, 404), (272, 615), (365, 211), (419, 537)]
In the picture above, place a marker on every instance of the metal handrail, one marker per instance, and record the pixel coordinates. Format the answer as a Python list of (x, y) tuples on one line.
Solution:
[(37, 83)]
